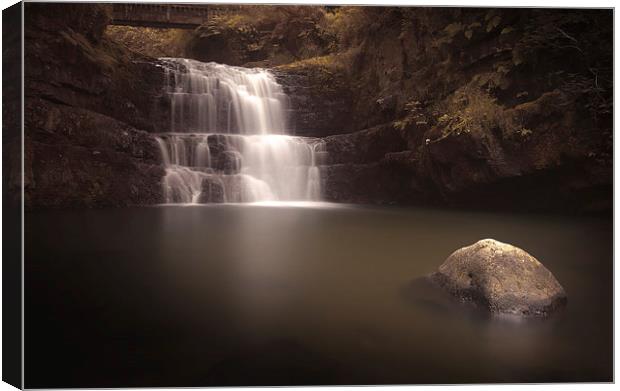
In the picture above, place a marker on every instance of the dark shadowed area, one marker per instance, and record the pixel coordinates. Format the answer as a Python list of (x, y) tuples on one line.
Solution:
[(256, 295)]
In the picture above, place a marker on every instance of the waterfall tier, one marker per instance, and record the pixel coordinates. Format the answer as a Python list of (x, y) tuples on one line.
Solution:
[(205, 168), (216, 98), (228, 139)]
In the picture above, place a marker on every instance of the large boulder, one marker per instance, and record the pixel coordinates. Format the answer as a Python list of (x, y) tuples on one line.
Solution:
[(501, 278)]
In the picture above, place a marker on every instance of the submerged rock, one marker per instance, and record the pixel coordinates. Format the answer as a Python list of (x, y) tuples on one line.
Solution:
[(502, 278)]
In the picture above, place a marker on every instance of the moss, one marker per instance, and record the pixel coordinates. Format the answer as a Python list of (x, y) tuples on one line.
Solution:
[(262, 36), (328, 63), (470, 110), (153, 42)]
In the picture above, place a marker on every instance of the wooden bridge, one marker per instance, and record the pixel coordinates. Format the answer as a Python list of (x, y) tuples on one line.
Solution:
[(185, 16)]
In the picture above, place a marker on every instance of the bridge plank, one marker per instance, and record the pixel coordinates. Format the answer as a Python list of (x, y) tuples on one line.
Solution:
[(161, 15)]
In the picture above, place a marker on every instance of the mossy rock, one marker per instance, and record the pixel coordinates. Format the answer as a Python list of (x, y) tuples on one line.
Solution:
[(501, 278)]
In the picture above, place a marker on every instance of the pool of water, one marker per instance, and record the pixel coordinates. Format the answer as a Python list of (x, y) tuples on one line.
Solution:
[(299, 295)]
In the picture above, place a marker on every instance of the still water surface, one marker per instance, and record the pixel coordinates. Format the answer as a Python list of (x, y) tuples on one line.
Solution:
[(266, 295)]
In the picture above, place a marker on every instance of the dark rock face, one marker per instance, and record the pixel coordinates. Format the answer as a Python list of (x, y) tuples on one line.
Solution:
[(369, 183), (88, 105), (87, 20), (69, 61), (78, 158), (264, 36), (215, 189), (212, 191), (372, 166), (11, 112), (320, 99), (224, 45), (365, 146), (493, 106), (501, 278), (225, 156), (541, 169)]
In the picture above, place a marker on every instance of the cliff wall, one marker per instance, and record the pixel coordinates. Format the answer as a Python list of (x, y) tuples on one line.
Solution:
[(89, 103), (506, 108)]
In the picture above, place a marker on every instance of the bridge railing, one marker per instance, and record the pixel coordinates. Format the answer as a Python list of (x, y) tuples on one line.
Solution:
[(164, 15), (216, 11)]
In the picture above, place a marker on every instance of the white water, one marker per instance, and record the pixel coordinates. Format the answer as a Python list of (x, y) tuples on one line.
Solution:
[(228, 141)]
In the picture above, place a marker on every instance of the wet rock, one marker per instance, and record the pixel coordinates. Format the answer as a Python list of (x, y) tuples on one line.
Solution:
[(212, 191), (225, 156), (501, 278), (230, 162)]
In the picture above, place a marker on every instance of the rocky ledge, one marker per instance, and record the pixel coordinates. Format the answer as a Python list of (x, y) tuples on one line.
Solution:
[(76, 157), (90, 105), (501, 278)]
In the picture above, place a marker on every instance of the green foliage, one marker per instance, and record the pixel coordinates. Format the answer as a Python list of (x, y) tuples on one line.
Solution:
[(348, 25), (152, 42), (582, 39), (448, 34), (524, 132), (280, 34), (268, 16), (493, 23), (329, 62), (414, 114), (327, 74), (470, 110)]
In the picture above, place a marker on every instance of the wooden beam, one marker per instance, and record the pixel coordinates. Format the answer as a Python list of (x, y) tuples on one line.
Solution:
[(160, 15)]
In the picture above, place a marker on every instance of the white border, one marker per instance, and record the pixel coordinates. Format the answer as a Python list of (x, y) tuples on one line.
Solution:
[(477, 3)]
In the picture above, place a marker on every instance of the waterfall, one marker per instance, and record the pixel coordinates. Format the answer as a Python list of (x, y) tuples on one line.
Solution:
[(228, 141)]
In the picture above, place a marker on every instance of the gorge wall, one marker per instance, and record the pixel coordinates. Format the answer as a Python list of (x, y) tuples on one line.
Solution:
[(507, 108), (89, 104)]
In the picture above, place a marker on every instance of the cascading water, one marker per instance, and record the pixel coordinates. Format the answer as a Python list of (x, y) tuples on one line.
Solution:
[(228, 139)]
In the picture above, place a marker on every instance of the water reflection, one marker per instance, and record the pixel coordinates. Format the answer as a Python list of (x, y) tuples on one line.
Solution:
[(264, 295)]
